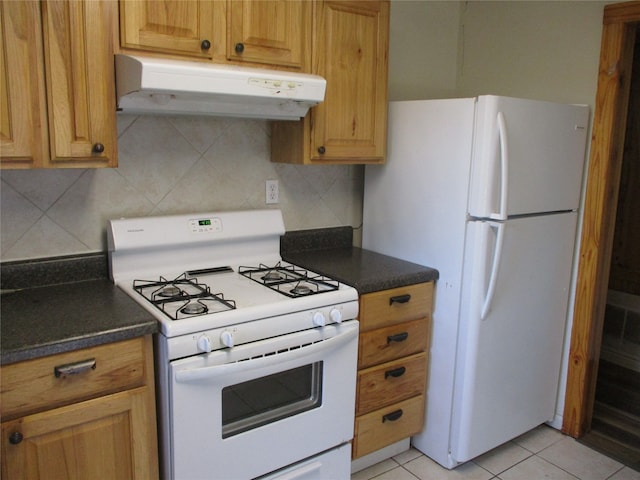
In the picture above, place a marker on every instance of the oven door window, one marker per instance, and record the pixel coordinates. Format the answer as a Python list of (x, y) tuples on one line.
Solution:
[(271, 398)]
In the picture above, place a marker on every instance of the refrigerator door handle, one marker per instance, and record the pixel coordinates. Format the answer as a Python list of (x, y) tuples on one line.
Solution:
[(495, 267), (504, 169)]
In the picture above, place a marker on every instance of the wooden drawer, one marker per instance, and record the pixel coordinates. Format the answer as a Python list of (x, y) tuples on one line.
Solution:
[(391, 382), (388, 343), (378, 429), (32, 385), (396, 305)]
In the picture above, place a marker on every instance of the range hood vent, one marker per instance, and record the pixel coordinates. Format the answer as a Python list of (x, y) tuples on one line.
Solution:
[(153, 85)]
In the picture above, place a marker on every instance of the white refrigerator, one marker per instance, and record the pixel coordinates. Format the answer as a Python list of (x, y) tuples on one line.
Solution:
[(486, 190)]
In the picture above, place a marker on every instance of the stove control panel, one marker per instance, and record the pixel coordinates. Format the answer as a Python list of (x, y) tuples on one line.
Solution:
[(204, 225), (230, 336)]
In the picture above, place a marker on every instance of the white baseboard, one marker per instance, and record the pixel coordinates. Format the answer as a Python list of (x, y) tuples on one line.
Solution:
[(379, 455)]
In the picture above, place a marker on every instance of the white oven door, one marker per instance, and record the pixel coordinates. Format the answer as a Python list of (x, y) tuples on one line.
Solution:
[(256, 408)]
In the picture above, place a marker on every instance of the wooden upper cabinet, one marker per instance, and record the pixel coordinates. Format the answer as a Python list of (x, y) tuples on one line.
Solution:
[(177, 27), (58, 85), (23, 137), (273, 32), (350, 49), (351, 52), (80, 78)]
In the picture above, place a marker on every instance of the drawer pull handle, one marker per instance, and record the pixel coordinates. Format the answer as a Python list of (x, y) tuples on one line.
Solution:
[(393, 416), (400, 299), (74, 368), (395, 373), (398, 337)]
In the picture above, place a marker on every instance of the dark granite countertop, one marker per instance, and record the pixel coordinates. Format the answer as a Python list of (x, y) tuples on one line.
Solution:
[(61, 304), (329, 252), (53, 318)]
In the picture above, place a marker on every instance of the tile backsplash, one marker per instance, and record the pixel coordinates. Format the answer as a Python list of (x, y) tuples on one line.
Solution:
[(167, 165)]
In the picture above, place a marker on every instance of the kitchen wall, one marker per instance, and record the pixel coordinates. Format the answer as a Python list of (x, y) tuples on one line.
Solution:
[(169, 164), (179, 164), (546, 50), (424, 59), (541, 50)]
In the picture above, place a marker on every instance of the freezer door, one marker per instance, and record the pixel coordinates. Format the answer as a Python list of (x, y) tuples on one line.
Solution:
[(508, 363), (528, 157)]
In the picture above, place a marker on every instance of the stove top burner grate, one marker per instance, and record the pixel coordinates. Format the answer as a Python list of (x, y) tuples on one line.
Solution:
[(182, 297), (289, 280)]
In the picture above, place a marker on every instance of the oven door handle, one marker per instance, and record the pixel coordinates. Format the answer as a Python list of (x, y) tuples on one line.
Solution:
[(214, 372)]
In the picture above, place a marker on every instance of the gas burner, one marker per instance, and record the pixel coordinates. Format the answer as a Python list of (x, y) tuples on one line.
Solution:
[(272, 276), (194, 308), (289, 280), (301, 290), (169, 291), (276, 274), (182, 297)]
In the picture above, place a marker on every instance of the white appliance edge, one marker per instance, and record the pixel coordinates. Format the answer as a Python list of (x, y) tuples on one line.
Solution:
[(415, 208), (267, 333)]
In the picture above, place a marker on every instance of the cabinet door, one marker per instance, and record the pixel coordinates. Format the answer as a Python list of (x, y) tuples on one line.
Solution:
[(283, 39), (78, 55), (107, 438), (350, 50), (23, 135), (169, 26)]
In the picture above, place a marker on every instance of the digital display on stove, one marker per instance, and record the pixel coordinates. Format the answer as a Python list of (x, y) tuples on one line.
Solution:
[(205, 225)]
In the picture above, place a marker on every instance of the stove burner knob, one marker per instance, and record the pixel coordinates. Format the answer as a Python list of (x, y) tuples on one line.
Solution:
[(319, 320), (204, 344), (227, 339), (336, 315)]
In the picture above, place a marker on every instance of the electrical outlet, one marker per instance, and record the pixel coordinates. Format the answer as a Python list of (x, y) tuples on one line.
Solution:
[(273, 192)]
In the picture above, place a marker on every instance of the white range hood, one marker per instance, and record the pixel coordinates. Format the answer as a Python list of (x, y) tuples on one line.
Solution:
[(153, 85)]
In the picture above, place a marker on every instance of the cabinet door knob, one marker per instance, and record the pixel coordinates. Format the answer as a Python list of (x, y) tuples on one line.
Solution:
[(239, 47), (15, 438), (205, 45), (98, 148), (321, 150)]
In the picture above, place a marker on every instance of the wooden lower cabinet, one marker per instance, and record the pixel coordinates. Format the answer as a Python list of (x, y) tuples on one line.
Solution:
[(93, 439), (110, 436), (383, 384), (383, 427), (395, 327)]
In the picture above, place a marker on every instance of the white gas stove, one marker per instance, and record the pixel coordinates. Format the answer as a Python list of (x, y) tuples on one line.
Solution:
[(236, 324)]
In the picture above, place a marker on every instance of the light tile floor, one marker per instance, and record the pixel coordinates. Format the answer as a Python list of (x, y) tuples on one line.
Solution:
[(543, 453)]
